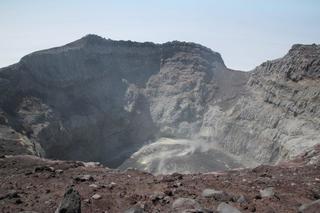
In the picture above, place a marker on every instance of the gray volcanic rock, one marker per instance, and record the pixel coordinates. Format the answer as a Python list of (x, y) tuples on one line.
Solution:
[(71, 202), (218, 195), (101, 100), (226, 208), (267, 192), (301, 62), (134, 210), (190, 79), (278, 117), (310, 207), (181, 204)]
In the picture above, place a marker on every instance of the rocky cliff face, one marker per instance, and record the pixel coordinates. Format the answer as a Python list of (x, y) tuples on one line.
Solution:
[(278, 117), (283, 107), (72, 100), (102, 100)]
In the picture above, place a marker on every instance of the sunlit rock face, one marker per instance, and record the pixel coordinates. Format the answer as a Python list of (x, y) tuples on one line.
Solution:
[(159, 107)]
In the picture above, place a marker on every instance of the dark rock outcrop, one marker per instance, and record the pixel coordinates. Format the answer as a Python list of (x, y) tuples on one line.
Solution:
[(70, 102), (71, 202)]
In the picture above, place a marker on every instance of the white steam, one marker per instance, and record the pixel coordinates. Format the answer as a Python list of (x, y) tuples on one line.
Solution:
[(168, 155)]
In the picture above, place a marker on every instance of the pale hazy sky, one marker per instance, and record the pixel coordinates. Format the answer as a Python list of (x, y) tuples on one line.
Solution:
[(245, 32)]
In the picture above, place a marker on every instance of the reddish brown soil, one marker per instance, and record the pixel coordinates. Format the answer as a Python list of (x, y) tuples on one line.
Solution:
[(41, 188)]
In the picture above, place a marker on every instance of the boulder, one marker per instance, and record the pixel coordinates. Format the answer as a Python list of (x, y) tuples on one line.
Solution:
[(312, 207), (226, 208), (83, 178), (181, 204), (135, 210), (71, 202), (96, 197), (267, 192), (241, 199), (217, 195), (94, 186), (12, 194)]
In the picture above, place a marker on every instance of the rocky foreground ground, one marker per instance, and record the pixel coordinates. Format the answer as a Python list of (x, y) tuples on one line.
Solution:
[(39, 185)]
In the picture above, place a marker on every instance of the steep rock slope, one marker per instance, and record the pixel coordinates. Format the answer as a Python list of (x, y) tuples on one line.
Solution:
[(190, 77), (102, 100), (279, 116), (98, 99), (71, 99), (269, 116)]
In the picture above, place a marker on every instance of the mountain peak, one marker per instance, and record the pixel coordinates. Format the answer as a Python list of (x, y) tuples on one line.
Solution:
[(308, 50), (93, 39), (301, 61), (191, 47)]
